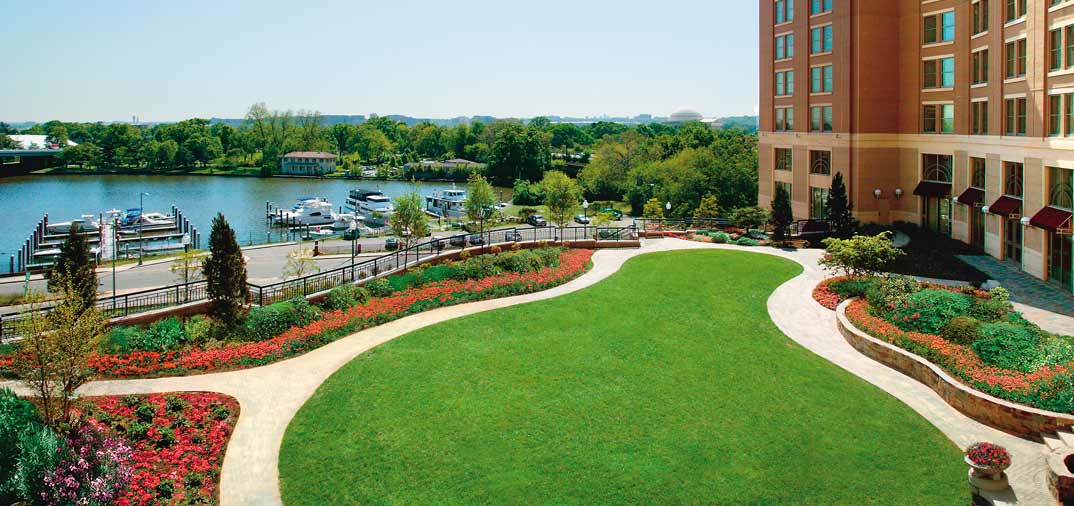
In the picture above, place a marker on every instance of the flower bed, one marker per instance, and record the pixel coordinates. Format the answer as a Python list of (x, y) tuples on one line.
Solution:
[(1047, 387), (336, 324), (177, 443), (824, 295)]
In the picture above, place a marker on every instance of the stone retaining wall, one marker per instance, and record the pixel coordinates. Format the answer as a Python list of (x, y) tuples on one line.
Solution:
[(1017, 419)]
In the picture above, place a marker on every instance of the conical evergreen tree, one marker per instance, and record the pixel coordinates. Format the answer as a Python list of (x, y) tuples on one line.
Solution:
[(225, 273), (840, 209), (73, 274), (782, 215)]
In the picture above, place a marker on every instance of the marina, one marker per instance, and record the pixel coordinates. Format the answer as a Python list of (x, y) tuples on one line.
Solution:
[(241, 200)]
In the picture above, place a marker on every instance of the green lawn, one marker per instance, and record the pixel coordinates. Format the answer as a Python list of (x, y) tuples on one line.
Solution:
[(665, 384)]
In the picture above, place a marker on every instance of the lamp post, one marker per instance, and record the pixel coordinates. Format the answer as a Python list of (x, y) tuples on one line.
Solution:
[(141, 224), (585, 215), (115, 231)]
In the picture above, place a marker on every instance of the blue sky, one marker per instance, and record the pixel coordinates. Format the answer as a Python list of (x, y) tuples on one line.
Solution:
[(163, 61)]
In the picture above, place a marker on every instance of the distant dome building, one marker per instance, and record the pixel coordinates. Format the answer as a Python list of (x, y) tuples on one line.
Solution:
[(685, 115)]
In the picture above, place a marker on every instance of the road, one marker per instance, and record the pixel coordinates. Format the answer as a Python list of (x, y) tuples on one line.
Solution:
[(264, 265)]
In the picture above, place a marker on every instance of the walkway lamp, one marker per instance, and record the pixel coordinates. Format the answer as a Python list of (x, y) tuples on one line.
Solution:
[(585, 215)]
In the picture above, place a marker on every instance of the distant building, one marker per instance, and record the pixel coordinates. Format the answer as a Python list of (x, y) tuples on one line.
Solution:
[(684, 116), (35, 142), (307, 163), (454, 163)]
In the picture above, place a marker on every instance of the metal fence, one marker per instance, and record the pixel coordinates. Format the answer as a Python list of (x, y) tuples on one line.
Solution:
[(661, 225), (361, 270)]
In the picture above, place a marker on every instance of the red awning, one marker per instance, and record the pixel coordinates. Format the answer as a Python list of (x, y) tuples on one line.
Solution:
[(1005, 206), (972, 196), (1051, 218), (932, 189)]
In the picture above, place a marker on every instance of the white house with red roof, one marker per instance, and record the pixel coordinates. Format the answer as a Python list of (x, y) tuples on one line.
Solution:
[(307, 163)]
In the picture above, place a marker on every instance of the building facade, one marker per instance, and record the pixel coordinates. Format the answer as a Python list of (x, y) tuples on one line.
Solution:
[(956, 115), (307, 163)]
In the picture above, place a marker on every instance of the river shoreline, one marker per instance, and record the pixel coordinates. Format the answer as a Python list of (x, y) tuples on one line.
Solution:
[(223, 173)]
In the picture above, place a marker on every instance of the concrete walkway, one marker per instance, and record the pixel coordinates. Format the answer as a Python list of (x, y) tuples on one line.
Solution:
[(270, 396)]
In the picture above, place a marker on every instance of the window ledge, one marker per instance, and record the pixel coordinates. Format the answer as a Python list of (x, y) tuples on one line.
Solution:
[(979, 85), (1061, 72), (979, 35), (930, 90), (819, 14), (820, 94), (1014, 80), (1058, 7), (941, 43), (785, 23), (1014, 22), (784, 96), (825, 53), (784, 60)]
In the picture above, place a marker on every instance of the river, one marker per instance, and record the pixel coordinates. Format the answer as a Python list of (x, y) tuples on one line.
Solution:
[(241, 199)]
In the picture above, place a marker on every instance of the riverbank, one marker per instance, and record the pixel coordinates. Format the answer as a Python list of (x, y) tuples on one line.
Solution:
[(254, 172)]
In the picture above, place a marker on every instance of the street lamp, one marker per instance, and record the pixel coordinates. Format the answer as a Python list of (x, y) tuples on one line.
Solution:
[(115, 232), (141, 224), (585, 215)]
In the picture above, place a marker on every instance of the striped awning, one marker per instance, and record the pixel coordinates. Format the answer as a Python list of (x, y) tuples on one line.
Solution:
[(1051, 218)]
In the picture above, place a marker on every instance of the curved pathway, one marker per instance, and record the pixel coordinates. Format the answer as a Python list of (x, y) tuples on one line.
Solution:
[(271, 395)]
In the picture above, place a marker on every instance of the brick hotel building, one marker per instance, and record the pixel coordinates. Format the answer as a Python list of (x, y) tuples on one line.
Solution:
[(957, 115)]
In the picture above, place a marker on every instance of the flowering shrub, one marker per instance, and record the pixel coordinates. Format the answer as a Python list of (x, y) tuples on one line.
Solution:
[(989, 456), (824, 295), (93, 470), (177, 444), (336, 324)]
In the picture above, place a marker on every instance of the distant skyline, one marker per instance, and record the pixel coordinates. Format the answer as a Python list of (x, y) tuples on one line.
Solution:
[(108, 61)]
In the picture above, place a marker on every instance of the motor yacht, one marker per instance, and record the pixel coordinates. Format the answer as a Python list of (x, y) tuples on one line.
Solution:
[(447, 203), (372, 205)]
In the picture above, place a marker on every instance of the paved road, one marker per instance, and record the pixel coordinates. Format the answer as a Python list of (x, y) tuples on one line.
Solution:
[(264, 264)]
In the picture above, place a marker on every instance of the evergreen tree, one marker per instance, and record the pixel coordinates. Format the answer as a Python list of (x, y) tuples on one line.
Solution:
[(839, 209), (225, 273), (782, 216), (74, 275)]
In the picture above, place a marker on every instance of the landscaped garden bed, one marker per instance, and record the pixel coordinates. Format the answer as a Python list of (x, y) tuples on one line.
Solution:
[(974, 336), (731, 235), (273, 333), (132, 450)]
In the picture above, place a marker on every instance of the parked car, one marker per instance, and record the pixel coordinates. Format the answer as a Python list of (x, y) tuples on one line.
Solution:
[(391, 243), (537, 220), (458, 240), (477, 240), (512, 236), (615, 213), (581, 219)]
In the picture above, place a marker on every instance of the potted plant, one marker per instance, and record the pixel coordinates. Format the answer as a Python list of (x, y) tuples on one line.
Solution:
[(988, 461)]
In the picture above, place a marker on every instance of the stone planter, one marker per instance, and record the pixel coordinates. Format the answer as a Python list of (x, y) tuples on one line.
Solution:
[(986, 478)]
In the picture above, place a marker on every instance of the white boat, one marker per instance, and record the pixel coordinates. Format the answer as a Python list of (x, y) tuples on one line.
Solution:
[(308, 211), (87, 223), (346, 221), (447, 203), (134, 220), (375, 207)]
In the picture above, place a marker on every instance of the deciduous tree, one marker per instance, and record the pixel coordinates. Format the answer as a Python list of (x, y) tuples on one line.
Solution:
[(479, 199), (409, 222), (562, 195)]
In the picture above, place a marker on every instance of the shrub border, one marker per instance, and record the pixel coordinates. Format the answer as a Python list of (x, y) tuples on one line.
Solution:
[(1018, 419)]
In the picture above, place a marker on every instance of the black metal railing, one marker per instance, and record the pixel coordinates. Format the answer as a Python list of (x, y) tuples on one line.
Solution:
[(682, 225), (362, 270)]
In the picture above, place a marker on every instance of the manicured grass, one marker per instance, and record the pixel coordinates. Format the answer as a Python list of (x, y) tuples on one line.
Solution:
[(664, 384)]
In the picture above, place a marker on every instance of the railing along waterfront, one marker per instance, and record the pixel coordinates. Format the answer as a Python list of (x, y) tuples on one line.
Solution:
[(362, 270)]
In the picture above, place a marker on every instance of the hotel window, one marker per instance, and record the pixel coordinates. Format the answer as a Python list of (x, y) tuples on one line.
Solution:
[(1055, 49), (818, 197), (977, 173), (820, 6), (820, 118), (787, 187), (980, 67), (1016, 58), (1055, 115), (821, 79), (979, 118), (1068, 114), (784, 11), (785, 46), (1015, 115), (784, 119), (1015, 9), (937, 168), (1070, 46), (821, 40), (784, 159), (939, 27), (1061, 193), (785, 83), (939, 73), (820, 162), (1012, 179), (980, 16), (938, 118)]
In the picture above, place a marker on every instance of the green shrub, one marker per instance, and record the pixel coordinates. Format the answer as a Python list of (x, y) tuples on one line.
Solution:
[(852, 287), (198, 329), (892, 292), (39, 452), (930, 310), (860, 254), (757, 234), (746, 241), (964, 330), (379, 288), (1056, 350), (17, 417), (119, 339), (720, 237), (264, 323), (164, 335), (990, 309), (1009, 346), (345, 297), (481, 266)]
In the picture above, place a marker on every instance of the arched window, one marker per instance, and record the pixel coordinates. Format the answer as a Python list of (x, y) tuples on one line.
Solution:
[(820, 162), (937, 168), (1012, 179), (1062, 192)]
